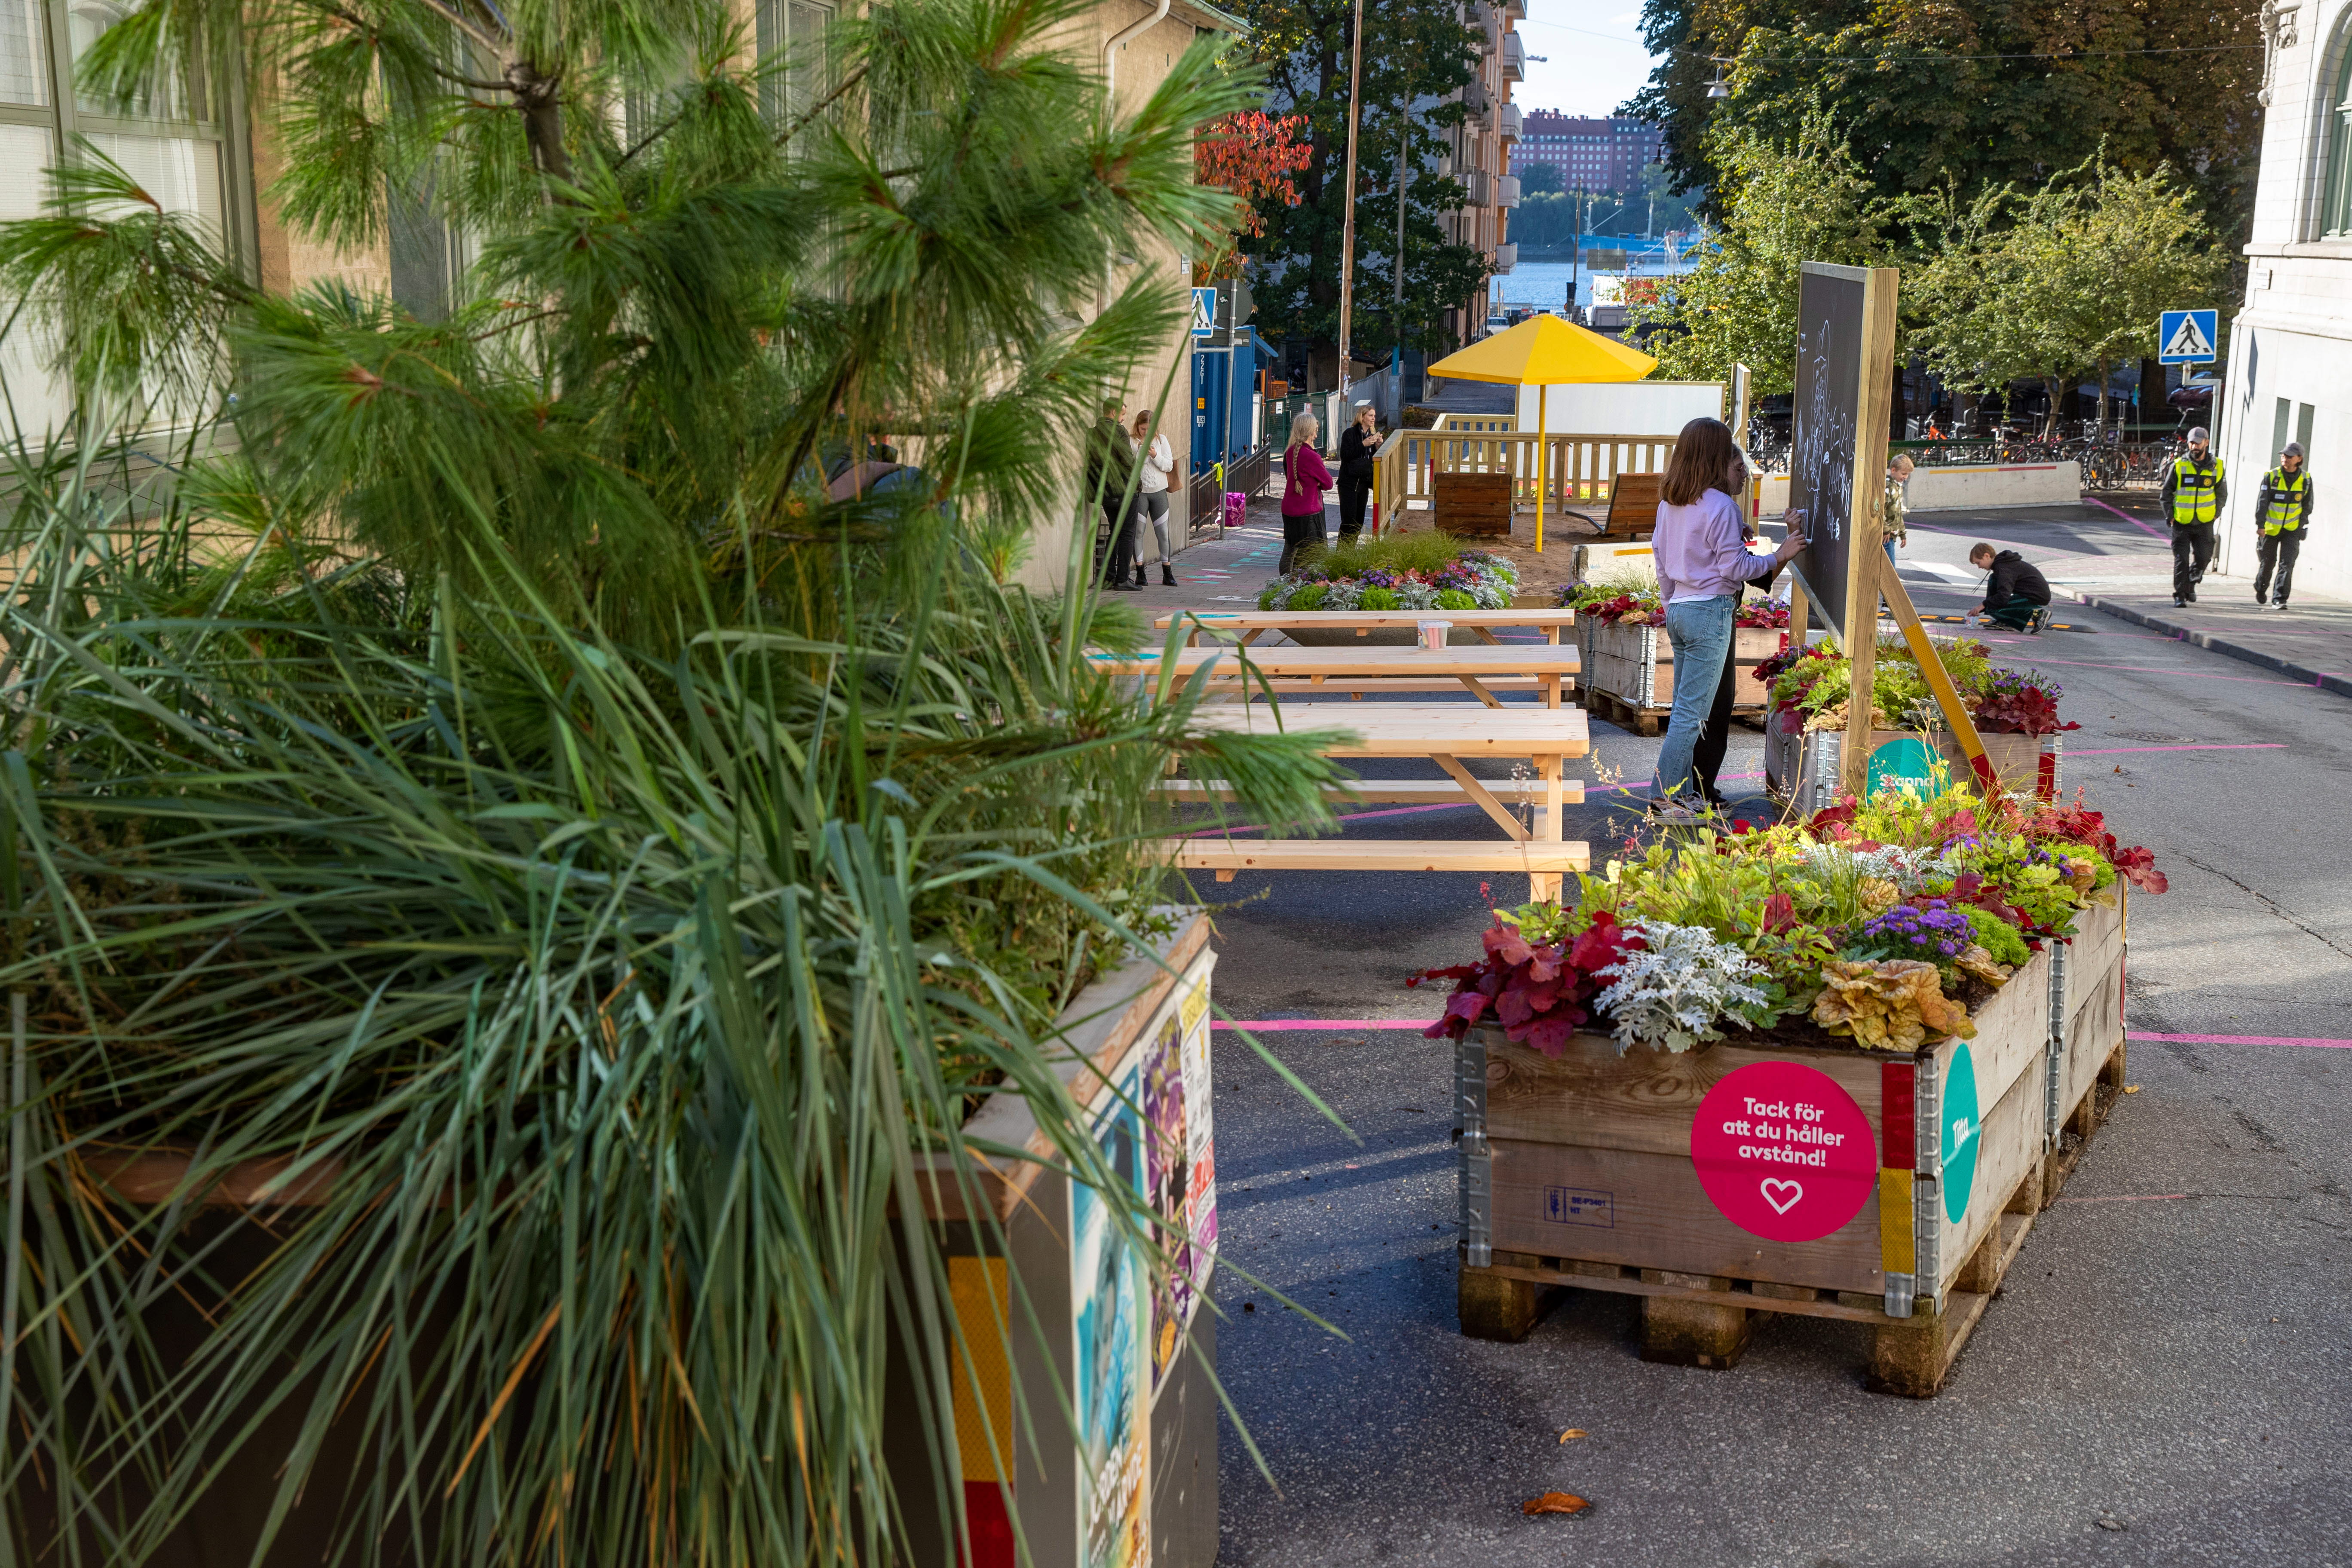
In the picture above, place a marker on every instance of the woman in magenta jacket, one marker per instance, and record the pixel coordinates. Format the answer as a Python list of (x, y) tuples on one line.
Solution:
[(1305, 478)]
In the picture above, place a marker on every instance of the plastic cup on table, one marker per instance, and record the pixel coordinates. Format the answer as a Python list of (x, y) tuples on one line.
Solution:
[(1432, 635)]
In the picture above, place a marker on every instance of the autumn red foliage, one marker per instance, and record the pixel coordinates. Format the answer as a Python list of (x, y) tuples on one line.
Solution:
[(1254, 155)]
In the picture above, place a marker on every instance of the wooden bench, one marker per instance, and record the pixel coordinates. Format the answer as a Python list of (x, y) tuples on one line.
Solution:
[(1244, 673), (1228, 856), (1247, 625), (1445, 735), (1226, 688), (1473, 503), (1632, 506), (1414, 792)]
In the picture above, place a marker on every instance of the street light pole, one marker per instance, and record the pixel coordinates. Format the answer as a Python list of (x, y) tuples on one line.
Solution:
[(1348, 222), (1396, 312)]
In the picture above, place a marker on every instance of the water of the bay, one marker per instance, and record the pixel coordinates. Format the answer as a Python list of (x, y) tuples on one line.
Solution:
[(1544, 284)]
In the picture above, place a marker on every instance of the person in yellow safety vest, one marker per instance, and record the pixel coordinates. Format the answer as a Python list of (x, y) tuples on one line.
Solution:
[(2282, 516), (2194, 490)]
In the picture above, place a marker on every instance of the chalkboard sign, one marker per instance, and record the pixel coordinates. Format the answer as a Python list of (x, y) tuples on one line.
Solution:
[(1833, 315)]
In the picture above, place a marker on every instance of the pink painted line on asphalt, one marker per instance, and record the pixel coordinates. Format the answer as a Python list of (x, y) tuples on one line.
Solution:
[(1295, 1026), (2136, 523), (2244, 746), (2242, 1040)]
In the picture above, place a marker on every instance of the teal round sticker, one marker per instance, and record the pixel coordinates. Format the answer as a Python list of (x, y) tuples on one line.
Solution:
[(1960, 1133), (1905, 764)]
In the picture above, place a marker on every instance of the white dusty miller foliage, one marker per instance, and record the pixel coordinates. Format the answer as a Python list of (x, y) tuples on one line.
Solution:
[(1906, 869), (1673, 991)]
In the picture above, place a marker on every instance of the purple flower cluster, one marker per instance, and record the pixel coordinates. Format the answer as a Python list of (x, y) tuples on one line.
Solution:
[(2018, 682), (1930, 929), (1379, 577), (1450, 578)]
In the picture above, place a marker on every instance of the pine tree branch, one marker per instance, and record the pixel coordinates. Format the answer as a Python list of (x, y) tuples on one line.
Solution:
[(650, 137), (789, 131), (369, 31)]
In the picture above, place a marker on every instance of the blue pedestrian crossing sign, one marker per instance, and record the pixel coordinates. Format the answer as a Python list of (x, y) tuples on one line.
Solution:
[(2186, 337), (1204, 313)]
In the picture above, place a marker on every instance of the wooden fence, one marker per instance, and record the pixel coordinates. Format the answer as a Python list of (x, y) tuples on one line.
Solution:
[(1579, 471)]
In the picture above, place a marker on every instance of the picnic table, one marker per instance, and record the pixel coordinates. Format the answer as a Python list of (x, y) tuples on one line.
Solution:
[(1543, 667), (1253, 624), (1444, 733)]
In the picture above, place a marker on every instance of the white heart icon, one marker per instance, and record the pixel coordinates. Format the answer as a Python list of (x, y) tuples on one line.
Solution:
[(1782, 1195)]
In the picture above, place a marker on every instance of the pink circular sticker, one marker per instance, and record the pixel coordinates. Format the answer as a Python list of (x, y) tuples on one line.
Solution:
[(1784, 1152)]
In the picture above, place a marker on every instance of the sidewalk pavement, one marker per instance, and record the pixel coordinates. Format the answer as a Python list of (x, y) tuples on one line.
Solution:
[(2113, 555), (2309, 641)]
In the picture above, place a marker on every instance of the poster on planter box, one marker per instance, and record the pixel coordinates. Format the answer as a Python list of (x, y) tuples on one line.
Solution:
[(1108, 1297), (1182, 1168)]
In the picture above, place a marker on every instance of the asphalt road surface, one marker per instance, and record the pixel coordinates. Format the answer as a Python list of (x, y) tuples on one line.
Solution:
[(2163, 1379)]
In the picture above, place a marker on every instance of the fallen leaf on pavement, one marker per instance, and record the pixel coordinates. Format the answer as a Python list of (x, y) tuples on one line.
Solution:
[(1554, 1502), (1572, 1432), (2131, 1088)]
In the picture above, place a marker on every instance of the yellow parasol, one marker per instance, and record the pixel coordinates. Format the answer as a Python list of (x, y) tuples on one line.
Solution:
[(1539, 353)]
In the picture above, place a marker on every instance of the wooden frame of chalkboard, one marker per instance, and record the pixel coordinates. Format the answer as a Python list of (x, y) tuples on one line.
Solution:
[(1845, 345)]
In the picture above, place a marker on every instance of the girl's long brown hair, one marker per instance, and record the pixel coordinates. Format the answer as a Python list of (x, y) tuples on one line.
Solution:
[(1701, 454)]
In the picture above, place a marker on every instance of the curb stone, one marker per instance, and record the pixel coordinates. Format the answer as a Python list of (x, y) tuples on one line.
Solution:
[(2326, 680)]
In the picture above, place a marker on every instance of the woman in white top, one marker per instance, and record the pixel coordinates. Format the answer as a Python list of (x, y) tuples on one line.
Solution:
[(1155, 460)]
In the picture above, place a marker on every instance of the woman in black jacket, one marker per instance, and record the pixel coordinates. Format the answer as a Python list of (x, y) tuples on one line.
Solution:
[(1359, 444)]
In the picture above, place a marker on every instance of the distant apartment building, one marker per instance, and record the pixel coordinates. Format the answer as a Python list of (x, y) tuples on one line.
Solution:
[(1591, 155), (1480, 154)]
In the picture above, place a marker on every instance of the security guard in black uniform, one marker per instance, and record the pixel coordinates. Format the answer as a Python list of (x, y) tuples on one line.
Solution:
[(2282, 514)]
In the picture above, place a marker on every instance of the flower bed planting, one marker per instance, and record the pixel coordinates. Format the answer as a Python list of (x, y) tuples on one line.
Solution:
[(1878, 924), (1816, 683), (1402, 572)]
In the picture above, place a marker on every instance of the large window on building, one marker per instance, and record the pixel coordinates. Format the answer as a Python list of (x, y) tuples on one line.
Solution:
[(176, 146), (2335, 159), (794, 28)]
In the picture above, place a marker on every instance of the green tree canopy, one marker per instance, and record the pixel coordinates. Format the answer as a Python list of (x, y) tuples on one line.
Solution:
[(1931, 95), (2065, 278), (1539, 179), (1416, 53), (1785, 204)]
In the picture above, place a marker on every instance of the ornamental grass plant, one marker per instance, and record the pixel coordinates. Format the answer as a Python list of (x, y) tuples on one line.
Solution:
[(484, 806)]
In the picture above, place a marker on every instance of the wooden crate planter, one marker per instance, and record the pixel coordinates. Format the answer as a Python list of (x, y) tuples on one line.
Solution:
[(1582, 1172), (1801, 765), (1628, 671)]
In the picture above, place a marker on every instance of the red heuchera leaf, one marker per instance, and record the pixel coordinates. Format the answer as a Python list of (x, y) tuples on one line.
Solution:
[(1602, 944), (1831, 820), (2138, 865), (1531, 990), (1780, 913), (1504, 943)]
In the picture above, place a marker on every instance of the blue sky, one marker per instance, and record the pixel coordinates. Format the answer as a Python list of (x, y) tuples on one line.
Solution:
[(1596, 58)]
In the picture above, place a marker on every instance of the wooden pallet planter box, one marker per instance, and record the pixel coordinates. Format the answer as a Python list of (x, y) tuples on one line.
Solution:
[(1580, 1172), (1629, 670), (1801, 764)]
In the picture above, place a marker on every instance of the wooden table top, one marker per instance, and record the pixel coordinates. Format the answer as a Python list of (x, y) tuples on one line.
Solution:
[(1277, 620), (1418, 729), (1480, 659)]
